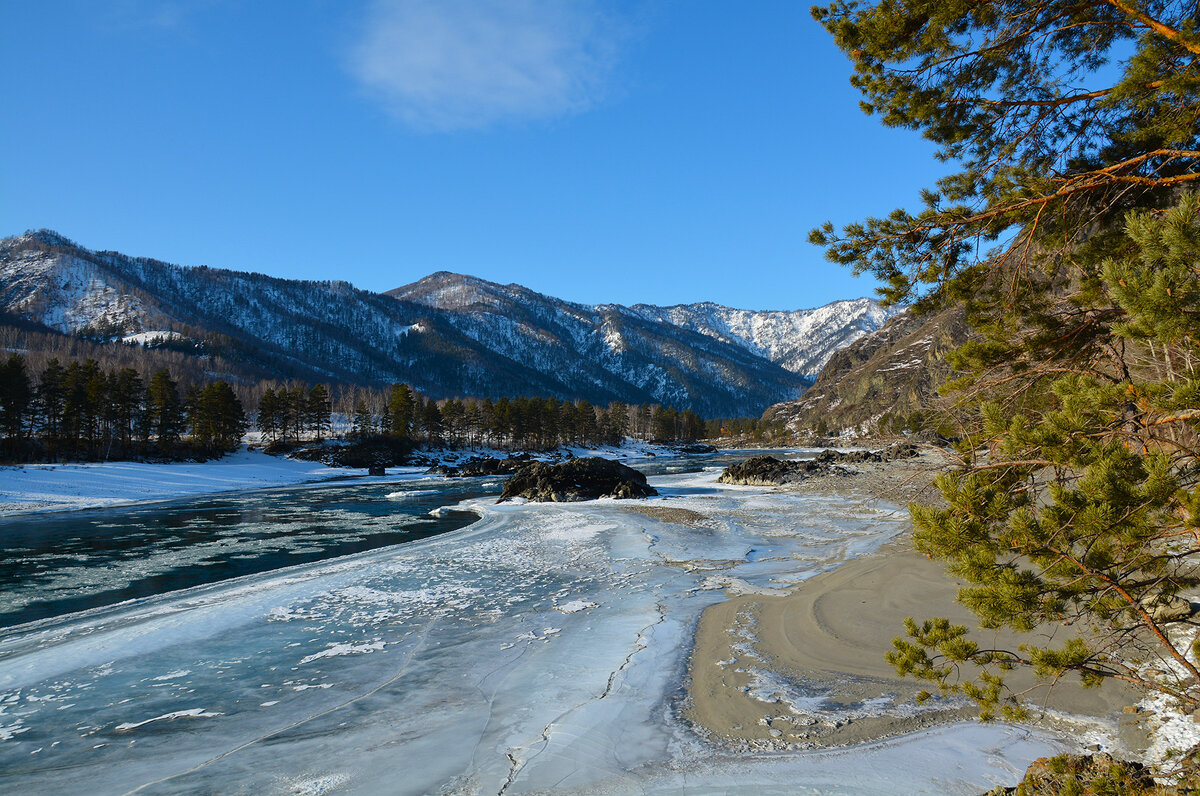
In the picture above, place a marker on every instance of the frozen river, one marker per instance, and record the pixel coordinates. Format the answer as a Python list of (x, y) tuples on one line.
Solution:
[(542, 648)]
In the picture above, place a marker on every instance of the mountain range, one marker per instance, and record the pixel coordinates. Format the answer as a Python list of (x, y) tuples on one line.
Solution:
[(447, 334), (884, 381)]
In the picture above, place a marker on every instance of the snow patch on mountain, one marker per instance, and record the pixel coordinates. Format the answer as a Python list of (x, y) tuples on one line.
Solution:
[(800, 340), (151, 338), (67, 293)]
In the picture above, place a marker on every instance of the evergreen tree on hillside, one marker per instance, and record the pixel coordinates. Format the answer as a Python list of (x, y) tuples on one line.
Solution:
[(1077, 502)]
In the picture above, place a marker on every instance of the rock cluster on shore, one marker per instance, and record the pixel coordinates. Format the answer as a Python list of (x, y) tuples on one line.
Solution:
[(578, 479), (770, 471), (900, 450), (486, 465)]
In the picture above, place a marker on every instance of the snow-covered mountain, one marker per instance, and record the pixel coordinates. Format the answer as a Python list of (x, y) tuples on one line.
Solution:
[(800, 340), (588, 347), (447, 334)]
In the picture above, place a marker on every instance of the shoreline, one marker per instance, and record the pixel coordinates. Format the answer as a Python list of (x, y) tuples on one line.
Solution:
[(27, 489), (806, 669)]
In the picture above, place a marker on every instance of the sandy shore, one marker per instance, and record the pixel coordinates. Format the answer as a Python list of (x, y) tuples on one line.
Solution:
[(807, 669)]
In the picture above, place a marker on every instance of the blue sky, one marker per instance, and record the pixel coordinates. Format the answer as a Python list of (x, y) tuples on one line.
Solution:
[(661, 152)]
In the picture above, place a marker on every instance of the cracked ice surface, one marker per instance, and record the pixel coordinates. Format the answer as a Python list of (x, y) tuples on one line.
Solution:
[(540, 649)]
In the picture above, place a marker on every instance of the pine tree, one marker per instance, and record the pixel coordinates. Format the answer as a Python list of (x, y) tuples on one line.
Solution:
[(217, 419), (126, 393), (569, 424), (400, 411), (587, 428), (502, 421), (267, 416), (317, 410), (1051, 145), (164, 409), (454, 415), (431, 422), (51, 398), (1076, 504), (617, 426), (294, 403), (363, 423), (16, 397)]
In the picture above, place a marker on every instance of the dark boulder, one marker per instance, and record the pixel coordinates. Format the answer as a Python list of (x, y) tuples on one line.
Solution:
[(578, 479), (490, 466), (376, 469), (375, 451), (847, 457), (901, 450), (769, 471)]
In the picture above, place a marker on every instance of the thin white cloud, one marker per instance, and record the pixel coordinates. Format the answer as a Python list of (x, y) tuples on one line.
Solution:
[(455, 64)]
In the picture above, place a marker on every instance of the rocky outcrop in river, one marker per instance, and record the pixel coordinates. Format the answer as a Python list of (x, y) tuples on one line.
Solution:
[(578, 479), (901, 450), (770, 471)]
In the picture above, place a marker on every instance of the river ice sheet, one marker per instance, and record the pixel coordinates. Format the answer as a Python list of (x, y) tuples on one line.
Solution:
[(540, 649)]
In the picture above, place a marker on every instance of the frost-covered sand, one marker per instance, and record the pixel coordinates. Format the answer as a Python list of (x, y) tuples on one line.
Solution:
[(806, 668), (542, 649)]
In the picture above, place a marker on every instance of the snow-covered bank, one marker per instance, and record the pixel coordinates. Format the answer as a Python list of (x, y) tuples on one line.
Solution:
[(63, 487), (67, 487)]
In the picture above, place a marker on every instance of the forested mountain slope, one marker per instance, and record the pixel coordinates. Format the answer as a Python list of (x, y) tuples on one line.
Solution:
[(884, 381), (447, 335)]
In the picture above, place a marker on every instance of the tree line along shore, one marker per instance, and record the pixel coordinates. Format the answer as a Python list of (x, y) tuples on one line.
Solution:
[(80, 411)]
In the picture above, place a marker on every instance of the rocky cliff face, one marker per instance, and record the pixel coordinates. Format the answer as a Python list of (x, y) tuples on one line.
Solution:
[(885, 378)]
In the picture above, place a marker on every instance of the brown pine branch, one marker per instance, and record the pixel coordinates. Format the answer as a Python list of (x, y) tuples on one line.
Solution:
[(1162, 29)]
